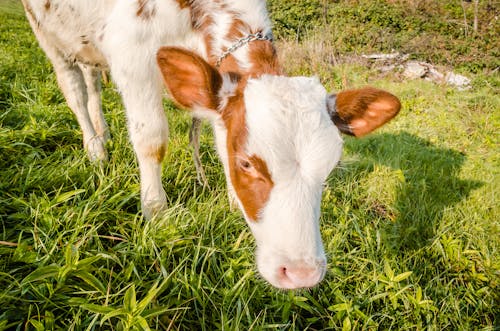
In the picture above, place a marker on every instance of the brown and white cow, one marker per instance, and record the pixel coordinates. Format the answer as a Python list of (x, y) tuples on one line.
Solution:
[(278, 137)]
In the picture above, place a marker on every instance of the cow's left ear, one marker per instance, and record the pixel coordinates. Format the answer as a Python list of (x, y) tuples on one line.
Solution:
[(359, 112), (190, 80)]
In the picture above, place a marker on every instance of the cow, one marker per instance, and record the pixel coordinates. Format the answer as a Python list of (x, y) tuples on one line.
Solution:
[(277, 137)]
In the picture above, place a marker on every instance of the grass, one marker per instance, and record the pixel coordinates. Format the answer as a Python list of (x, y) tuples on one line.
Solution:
[(409, 221)]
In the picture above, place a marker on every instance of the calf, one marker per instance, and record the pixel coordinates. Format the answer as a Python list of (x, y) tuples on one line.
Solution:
[(278, 137)]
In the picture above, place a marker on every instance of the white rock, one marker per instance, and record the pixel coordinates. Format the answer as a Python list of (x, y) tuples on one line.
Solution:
[(415, 69), (459, 81), (382, 56), (435, 75)]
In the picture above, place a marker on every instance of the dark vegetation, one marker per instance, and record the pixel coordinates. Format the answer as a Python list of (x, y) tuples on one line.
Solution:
[(438, 31)]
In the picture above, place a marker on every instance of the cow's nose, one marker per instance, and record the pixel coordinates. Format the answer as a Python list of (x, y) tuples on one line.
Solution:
[(300, 275)]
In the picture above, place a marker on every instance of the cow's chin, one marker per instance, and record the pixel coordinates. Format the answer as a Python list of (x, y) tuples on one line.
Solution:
[(288, 272)]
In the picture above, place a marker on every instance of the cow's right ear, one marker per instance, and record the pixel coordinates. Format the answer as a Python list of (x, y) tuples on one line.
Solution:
[(190, 80), (359, 112)]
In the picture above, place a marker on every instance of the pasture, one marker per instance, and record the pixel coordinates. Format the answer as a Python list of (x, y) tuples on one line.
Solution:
[(410, 218)]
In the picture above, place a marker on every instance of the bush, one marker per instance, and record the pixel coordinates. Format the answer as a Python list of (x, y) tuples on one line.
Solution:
[(294, 18), (430, 30)]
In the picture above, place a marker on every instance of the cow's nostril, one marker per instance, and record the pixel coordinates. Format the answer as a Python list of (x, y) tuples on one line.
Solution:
[(300, 275)]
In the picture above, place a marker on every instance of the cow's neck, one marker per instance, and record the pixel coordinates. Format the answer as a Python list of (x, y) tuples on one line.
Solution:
[(259, 58), (222, 24)]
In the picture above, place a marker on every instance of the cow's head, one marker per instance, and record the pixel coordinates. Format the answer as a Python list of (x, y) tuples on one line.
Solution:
[(282, 139)]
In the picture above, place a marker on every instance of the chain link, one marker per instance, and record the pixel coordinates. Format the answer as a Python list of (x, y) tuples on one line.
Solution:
[(242, 42)]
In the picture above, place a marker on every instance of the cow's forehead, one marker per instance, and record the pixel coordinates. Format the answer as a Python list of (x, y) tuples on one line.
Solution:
[(283, 94), (288, 125)]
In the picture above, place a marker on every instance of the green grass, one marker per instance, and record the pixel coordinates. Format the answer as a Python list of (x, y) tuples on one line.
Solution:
[(409, 222)]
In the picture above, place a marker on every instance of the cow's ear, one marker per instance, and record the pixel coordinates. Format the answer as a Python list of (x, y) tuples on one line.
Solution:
[(359, 112), (190, 80)]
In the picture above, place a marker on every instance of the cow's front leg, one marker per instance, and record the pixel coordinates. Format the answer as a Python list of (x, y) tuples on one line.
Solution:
[(149, 136), (194, 141), (141, 90)]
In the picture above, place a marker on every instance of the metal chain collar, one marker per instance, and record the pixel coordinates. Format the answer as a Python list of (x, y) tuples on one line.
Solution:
[(242, 42)]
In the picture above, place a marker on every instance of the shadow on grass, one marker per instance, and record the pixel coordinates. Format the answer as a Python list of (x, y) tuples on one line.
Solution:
[(431, 184)]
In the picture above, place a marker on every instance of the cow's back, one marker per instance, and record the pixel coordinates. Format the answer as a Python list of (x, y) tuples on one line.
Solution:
[(88, 31)]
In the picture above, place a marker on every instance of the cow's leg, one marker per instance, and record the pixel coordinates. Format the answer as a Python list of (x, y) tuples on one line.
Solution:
[(72, 84), (148, 130), (92, 77), (194, 141), (70, 79), (134, 72)]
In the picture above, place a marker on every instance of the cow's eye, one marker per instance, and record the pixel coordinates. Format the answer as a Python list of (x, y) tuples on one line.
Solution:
[(245, 164)]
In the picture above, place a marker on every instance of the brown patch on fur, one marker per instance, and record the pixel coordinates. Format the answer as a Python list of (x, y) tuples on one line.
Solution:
[(157, 152), (253, 188), (202, 26), (236, 30), (261, 53), (263, 58), (47, 5), (364, 110), (184, 3), (229, 64), (146, 9), (200, 21), (250, 176)]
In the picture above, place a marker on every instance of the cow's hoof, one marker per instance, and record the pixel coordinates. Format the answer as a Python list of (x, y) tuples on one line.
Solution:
[(153, 208), (96, 150)]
